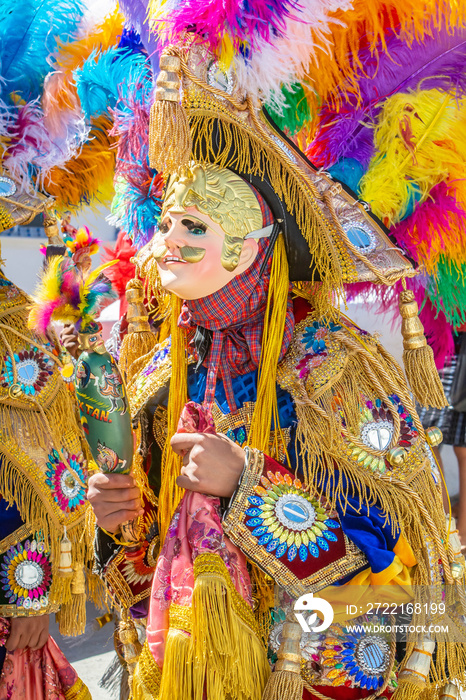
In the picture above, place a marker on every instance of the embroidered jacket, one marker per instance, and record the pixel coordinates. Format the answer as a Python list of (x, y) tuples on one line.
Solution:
[(44, 545), (352, 432)]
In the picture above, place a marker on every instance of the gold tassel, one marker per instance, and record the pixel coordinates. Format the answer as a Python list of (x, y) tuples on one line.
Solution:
[(139, 341), (131, 645), (65, 568), (418, 357), (286, 682), (169, 133), (449, 692), (414, 675)]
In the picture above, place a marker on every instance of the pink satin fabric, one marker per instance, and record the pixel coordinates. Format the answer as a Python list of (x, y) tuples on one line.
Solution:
[(195, 529), (44, 674)]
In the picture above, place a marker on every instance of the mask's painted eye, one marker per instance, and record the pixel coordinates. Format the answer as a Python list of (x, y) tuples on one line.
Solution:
[(93, 338), (197, 228), (164, 228)]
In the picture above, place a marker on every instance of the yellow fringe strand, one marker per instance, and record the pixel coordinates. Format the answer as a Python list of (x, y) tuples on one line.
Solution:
[(219, 650), (170, 493), (147, 677), (272, 340)]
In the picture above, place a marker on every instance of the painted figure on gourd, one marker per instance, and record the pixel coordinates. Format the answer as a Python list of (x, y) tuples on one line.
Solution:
[(293, 432), (72, 294)]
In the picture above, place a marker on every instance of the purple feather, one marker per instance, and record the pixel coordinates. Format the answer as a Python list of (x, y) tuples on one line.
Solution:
[(436, 62), (135, 12)]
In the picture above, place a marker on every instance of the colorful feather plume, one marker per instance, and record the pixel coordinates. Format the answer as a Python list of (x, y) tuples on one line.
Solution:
[(83, 239), (106, 78), (123, 270), (88, 178), (60, 100), (63, 295), (29, 33)]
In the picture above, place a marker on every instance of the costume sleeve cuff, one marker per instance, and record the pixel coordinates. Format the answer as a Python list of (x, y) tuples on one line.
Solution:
[(288, 533)]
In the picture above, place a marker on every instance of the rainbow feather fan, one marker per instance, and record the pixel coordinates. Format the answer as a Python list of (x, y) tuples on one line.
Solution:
[(375, 92), (63, 295)]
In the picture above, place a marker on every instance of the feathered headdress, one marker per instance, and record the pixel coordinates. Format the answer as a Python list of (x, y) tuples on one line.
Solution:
[(64, 295)]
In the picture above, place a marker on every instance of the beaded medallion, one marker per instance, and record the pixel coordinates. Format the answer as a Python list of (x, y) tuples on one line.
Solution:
[(26, 575)]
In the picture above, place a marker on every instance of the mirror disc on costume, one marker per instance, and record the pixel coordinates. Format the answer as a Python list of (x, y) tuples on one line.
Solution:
[(69, 486), (7, 186), (29, 574), (361, 237), (295, 512), (27, 371), (372, 654), (219, 78), (377, 434)]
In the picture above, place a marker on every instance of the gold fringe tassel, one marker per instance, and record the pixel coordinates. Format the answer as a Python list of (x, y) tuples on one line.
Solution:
[(284, 685), (418, 357), (147, 677), (286, 682), (218, 650), (169, 134), (139, 341), (227, 650), (170, 493)]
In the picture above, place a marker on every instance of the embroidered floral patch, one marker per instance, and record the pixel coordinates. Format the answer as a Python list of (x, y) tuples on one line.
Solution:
[(310, 362)]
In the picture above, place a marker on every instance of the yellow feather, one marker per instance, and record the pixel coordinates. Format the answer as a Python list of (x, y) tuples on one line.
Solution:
[(60, 88), (420, 141), (88, 178)]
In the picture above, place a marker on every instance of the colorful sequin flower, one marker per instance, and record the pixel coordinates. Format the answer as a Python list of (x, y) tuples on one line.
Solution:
[(33, 368), (286, 520), (26, 575), (314, 336), (310, 362), (356, 659), (67, 492)]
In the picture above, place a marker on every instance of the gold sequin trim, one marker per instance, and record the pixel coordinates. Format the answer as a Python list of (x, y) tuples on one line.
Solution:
[(180, 617)]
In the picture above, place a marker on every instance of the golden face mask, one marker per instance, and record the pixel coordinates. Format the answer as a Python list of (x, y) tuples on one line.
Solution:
[(223, 196)]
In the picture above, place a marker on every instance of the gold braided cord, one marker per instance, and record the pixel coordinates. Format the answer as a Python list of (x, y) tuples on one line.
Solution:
[(29, 340)]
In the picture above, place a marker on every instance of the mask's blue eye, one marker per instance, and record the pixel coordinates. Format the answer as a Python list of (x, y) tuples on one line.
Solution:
[(195, 227)]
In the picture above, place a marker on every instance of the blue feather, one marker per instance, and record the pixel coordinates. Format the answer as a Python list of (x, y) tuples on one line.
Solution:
[(106, 78), (29, 33), (130, 39)]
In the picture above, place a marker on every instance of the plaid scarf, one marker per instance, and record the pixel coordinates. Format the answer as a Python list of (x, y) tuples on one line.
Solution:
[(235, 316)]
